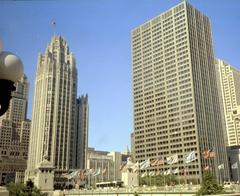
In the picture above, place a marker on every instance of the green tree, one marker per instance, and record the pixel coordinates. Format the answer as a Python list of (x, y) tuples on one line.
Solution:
[(20, 189), (209, 185), (136, 194), (159, 180)]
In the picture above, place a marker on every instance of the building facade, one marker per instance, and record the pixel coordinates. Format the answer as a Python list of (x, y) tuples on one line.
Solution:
[(54, 109), (14, 135), (176, 102), (229, 88), (82, 132), (108, 163), (234, 162)]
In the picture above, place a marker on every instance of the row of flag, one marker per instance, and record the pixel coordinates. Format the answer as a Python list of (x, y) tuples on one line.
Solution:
[(156, 162), (165, 173), (221, 166), (82, 173)]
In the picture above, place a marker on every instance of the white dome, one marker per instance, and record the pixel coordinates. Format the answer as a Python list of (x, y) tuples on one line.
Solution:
[(11, 67)]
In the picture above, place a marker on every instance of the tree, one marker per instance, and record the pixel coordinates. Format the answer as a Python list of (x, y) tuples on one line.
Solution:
[(159, 180), (24, 190), (136, 194), (209, 185)]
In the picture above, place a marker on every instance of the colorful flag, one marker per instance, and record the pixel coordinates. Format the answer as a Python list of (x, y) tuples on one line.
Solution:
[(160, 161), (158, 173), (172, 159), (206, 168), (234, 166), (145, 164), (82, 174), (157, 162), (208, 154), (153, 162), (221, 166), (190, 157)]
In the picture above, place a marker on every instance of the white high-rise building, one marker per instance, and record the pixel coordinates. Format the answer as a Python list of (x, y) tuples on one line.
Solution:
[(54, 109), (229, 88), (176, 101)]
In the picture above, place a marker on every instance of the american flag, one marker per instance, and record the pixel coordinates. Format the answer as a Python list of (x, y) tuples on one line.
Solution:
[(208, 154), (82, 174), (207, 168), (157, 162)]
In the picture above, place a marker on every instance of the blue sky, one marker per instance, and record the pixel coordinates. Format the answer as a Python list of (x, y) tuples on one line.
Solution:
[(98, 33)]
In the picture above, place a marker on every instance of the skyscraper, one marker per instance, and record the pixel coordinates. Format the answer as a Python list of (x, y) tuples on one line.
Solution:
[(176, 105), (54, 109), (82, 132), (14, 135), (229, 89)]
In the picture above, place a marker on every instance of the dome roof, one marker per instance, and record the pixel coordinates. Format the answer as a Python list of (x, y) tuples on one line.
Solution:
[(11, 66)]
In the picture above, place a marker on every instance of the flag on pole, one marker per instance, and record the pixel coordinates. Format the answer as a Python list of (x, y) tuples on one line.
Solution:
[(73, 174), (185, 170), (104, 170), (98, 172), (135, 167), (190, 157), (89, 172), (157, 162), (53, 23), (221, 166), (209, 153), (82, 174), (172, 159), (145, 164), (129, 163), (122, 166), (152, 173), (167, 172), (234, 166), (144, 174), (206, 168), (176, 171), (153, 162)]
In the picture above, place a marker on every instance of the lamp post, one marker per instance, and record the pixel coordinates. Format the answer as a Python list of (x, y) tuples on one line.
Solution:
[(11, 70)]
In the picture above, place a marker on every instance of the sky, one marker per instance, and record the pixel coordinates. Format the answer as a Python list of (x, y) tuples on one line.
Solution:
[(99, 35)]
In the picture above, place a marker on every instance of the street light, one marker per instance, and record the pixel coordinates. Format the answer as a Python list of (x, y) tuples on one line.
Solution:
[(11, 70)]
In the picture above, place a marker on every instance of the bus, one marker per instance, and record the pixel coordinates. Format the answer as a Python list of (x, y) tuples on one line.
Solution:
[(112, 184)]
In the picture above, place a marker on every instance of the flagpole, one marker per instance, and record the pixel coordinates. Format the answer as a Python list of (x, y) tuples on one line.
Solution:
[(178, 176), (102, 168), (171, 174), (238, 171), (164, 180)]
